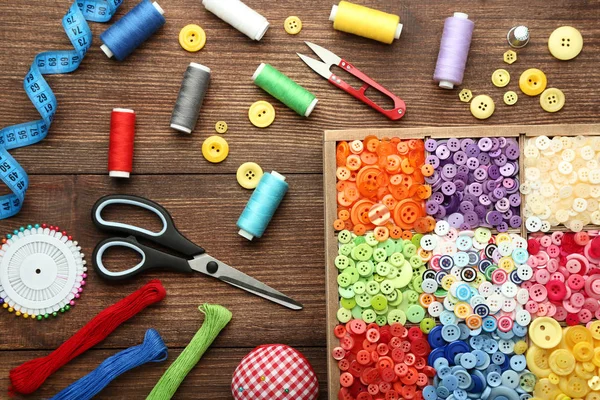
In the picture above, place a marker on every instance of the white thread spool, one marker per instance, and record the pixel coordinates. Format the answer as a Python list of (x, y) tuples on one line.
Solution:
[(240, 16)]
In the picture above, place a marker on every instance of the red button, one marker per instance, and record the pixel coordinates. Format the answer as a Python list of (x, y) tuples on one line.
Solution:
[(533, 247), (415, 333), (421, 347), (556, 290), (346, 379)]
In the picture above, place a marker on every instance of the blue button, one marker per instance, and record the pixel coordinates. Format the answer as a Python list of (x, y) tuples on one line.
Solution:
[(460, 394), (468, 360), (482, 310), (518, 362), (519, 330), (464, 379), (476, 342), (489, 324), (439, 363), (439, 276), (505, 335), (463, 292), (490, 346), (464, 331), (446, 262), (448, 318), (440, 352), (450, 333), (442, 392), (493, 368), (483, 265), (498, 358), (473, 258), (444, 372), (450, 382), (429, 393), (481, 357), (455, 348), (520, 255), (435, 337), (514, 277), (477, 384), (475, 332), (494, 379)]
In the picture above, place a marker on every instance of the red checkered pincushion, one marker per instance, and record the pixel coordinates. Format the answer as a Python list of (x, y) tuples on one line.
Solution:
[(274, 372)]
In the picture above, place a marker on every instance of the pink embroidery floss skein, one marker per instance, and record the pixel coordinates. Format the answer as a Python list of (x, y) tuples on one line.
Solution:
[(454, 50)]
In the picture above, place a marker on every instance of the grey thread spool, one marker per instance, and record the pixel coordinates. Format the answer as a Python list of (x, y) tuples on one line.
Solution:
[(191, 94)]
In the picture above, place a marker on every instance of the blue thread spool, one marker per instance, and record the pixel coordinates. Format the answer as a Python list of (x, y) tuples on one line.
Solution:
[(262, 205), (128, 33)]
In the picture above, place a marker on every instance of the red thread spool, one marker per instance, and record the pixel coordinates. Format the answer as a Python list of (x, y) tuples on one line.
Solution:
[(120, 148)]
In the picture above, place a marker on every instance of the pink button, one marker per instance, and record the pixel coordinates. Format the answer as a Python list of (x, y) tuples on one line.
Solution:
[(533, 262), (527, 285), (561, 314), (557, 238), (597, 314), (545, 241), (552, 265), (584, 262), (585, 316), (542, 310), (563, 271), (434, 263), (570, 307), (499, 276), (553, 251), (557, 276), (338, 353), (573, 266), (551, 309), (542, 258), (542, 276), (577, 300), (531, 306), (576, 282), (505, 324), (595, 285), (538, 292), (591, 304)]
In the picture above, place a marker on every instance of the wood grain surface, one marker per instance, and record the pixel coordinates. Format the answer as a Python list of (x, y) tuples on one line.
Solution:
[(68, 169)]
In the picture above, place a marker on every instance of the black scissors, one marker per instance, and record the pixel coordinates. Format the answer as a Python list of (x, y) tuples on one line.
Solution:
[(169, 237)]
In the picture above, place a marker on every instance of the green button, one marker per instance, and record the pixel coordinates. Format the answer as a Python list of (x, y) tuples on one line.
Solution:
[(398, 300), (346, 293), (378, 278), (379, 254), (345, 249), (352, 272), (386, 287), (383, 268), (391, 297), (370, 239), (365, 268), (409, 250), (399, 246), (417, 282), (359, 287), (412, 296), (341, 262), (415, 314), (416, 239), (344, 315), (383, 311), (389, 246), (396, 316), (393, 272), (363, 300), (379, 302), (527, 381), (344, 236), (381, 320), (359, 240), (440, 292), (488, 272), (369, 316), (372, 288), (483, 235), (357, 312), (416, 262), (344, 280), (362, 252), (348, 304), (427, 324), (396, 259)]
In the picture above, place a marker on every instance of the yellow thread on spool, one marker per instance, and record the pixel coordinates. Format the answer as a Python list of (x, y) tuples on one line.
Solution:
[(365, 22)]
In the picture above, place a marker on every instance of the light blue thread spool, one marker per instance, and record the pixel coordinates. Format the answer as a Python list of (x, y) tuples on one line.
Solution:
[(128, 33), (262, 205)]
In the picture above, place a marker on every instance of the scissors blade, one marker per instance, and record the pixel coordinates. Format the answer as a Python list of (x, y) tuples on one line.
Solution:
[(317, 66), (327, 56), (211, 266)]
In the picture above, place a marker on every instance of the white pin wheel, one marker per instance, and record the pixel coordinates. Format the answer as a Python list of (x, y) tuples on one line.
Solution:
[(42, 272)]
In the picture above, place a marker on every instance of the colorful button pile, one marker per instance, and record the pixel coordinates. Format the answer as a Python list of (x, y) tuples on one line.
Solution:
[(381, 363), (567, 361), (475, 182), (474, 277), (565, 276), (478, 366), (381, 281), (381, 186), (562, 182)]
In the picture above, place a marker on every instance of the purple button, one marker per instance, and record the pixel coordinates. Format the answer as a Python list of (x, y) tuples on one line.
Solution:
[(500, 159), (431, 207), (480, 211), (508, 214), (460, 158), (466, 206), (497, 143), (455, 220), (466, 143), (502, 227), (472, 163), (441, 213), (460, 186), (493, 218), (515, 221), (499, 193), (464, 227), (437, 197), (442, 152), (448, 188), (490, 186), (451, 204), (493, 172), (515, 200), (449, 171), (503, 205), (433, 161), (480, 174), (485, 144), (484, 159), (431, 145), (507, 170), (485, 200), (453, 144), (463, 169), (512, 152), (471, 218), (461, 176), (476, 189), (472, 150)]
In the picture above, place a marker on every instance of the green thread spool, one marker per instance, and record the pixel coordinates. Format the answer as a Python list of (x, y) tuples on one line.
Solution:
[(217, 317), (284, 89)]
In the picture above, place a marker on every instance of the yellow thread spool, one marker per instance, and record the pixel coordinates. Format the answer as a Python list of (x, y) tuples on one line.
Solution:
[(365, 22)]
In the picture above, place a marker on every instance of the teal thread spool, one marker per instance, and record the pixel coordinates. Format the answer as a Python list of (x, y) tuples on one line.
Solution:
[(284, 89), (262, 205)]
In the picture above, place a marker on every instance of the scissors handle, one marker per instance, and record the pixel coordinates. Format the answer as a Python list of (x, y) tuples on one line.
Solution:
[(168, 236), (151, 259), (399, 106)]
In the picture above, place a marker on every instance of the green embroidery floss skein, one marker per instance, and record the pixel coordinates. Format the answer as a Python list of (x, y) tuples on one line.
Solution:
[(284, 89), (217, 318)]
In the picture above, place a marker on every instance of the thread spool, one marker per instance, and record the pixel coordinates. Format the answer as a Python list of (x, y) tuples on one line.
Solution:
[(284, 89), (454, 50), (366, 22), (240, 16), (191, 95), (120, 144), (262, 205), (128, 33)]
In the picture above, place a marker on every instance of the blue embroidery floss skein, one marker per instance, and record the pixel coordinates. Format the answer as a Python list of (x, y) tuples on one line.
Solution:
[(152, 350), (128, 33), (262, 205)]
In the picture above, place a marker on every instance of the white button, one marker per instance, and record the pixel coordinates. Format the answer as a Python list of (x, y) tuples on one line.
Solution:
[(486, 289), (522, 296), (435, 309), (524, 272), (442, 228), (509, 289), (429, 285), (509, 305), (494, 302), (533, 224), (523, 318), (429, 242), (542, 142)]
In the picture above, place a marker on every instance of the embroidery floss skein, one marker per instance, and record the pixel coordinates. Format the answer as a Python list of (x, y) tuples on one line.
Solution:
[(191, 95), (217, 318), (366, 22), (29, 376), (240, 16), (128, 33), (262, 205), (284, 89), (153, 349), (120, 146), (454, 50)]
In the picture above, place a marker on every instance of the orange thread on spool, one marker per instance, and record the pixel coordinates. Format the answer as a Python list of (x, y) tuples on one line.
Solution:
[(120, 148)]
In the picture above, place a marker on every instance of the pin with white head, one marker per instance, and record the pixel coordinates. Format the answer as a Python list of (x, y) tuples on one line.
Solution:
[(518, 36)]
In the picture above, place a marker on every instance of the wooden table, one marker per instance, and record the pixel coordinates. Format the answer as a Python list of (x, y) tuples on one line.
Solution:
[(68, 169)]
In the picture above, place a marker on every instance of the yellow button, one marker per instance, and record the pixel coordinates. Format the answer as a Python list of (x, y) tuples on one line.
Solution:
[(261, 114), (221, 127), (292, 25), (576, 334), (553, 378), (545, 332), (595, 329), (596, 359), (561, 362), (592, 396), (577, 387), (537, 361), (215, 149), (552, 100), (581, 372), (520, 347), (192, 38), (500, 78), (510, 57), (465, 95), (248, 175), (544, 389), (565, 43), (583, 351), (533, 82), (510, 98), (482, 106)]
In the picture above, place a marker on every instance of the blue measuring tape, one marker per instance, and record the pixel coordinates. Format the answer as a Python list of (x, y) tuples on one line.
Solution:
[(42, 97)]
